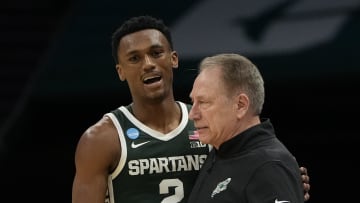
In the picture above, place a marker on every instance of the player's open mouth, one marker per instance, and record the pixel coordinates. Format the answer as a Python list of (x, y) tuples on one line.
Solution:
[(152, 79)]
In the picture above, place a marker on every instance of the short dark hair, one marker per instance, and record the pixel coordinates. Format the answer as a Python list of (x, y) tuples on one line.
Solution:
[(135, 24)]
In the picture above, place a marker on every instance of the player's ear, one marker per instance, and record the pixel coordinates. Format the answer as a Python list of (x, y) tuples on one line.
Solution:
[(120, 72), (174, 59)]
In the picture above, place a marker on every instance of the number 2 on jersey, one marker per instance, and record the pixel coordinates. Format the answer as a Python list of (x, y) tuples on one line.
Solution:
[(179, 190)]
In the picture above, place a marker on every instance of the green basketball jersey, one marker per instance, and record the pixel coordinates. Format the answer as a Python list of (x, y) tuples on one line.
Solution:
[(154, 167)]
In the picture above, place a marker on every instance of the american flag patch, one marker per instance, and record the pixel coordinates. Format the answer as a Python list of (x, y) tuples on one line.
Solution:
[(193, 135)]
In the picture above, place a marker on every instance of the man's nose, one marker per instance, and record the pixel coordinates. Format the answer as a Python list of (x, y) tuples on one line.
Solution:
[(148, 61), (193, 114)]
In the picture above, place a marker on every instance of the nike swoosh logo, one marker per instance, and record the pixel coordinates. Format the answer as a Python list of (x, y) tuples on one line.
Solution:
[(133, 145), (276, 201)]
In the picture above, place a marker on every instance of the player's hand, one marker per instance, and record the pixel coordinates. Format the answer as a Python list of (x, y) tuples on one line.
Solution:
[(306, 182)]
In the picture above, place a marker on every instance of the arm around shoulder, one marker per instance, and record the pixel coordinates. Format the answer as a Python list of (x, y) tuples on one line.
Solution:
[(275, 182)]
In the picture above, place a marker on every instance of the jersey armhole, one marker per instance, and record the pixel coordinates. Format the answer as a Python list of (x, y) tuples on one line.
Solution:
[(123, 145)]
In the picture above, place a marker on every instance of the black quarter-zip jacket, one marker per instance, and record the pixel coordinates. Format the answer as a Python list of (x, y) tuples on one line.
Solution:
[(252, 167)]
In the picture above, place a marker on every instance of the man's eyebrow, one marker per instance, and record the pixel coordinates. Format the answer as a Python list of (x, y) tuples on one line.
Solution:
[(131, 52), (156, 46)]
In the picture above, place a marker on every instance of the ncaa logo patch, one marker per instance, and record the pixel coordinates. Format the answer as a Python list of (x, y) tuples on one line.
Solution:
[(132, 133)]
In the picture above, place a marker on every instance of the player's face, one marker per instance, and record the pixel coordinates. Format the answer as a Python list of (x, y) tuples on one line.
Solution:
[(146, 62), (213, 111)]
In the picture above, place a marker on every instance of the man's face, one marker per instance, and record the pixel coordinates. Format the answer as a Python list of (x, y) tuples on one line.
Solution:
[(213, 111), (145, 62)]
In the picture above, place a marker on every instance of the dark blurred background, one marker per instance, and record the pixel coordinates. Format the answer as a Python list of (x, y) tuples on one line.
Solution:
[(57, 78)]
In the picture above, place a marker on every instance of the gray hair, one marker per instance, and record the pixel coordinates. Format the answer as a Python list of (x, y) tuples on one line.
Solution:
[(239, 74)]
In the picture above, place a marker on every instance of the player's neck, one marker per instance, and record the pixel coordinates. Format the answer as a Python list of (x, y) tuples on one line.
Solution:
[(164, 116)]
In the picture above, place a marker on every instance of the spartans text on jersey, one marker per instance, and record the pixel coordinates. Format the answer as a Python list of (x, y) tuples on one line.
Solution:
[(166, 164)]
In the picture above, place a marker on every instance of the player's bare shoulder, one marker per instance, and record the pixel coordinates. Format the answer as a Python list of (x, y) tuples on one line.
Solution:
[(100, 140), (102, 131)]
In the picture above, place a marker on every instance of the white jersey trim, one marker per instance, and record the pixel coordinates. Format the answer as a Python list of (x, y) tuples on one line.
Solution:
[(110, 190), (156, 134), (123, 156)]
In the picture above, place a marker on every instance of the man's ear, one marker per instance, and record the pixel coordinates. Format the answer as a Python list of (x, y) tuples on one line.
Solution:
[(242, 104), (120, 72), (174, 59)]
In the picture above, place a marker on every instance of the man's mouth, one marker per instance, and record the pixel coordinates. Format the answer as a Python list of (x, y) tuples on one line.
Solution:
[(151, 79)]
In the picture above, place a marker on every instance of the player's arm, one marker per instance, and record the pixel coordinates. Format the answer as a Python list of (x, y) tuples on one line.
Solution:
[(96, 154)]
